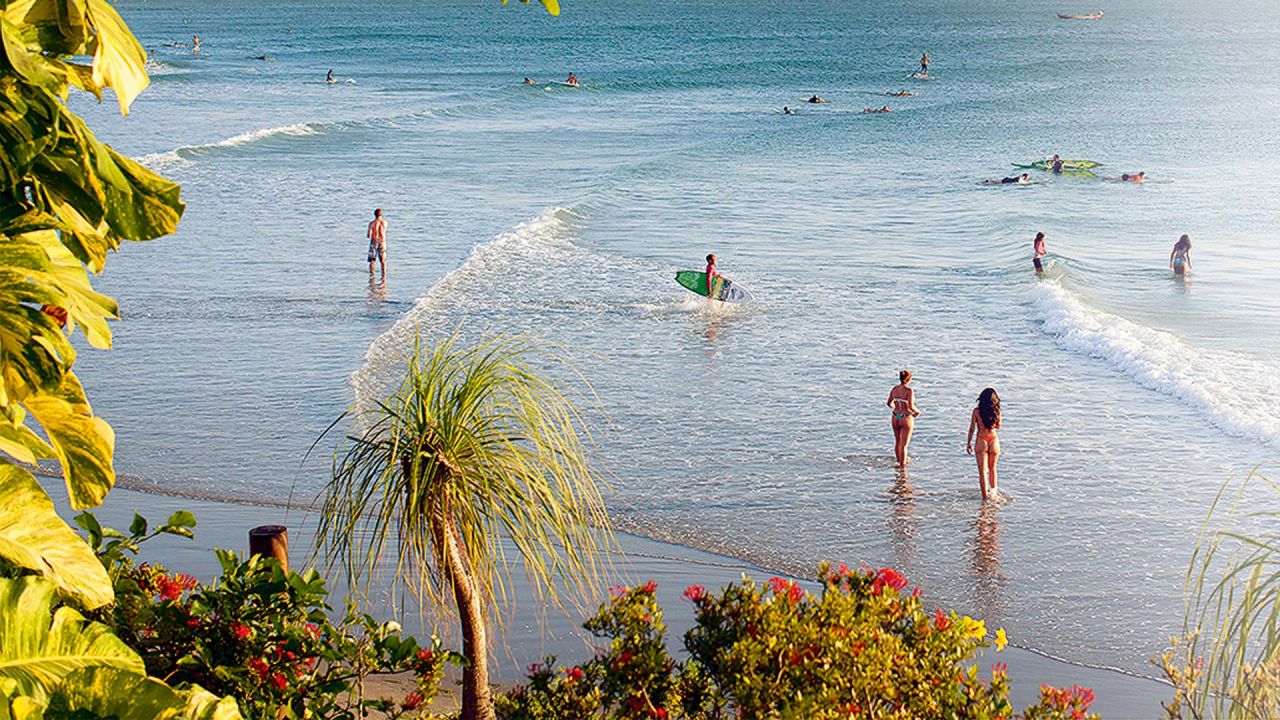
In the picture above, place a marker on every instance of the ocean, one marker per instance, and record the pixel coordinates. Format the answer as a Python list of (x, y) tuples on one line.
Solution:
[(758, 431)]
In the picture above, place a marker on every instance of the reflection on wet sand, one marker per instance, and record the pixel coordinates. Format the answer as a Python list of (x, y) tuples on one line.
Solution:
[(903, 523), (988, 595)]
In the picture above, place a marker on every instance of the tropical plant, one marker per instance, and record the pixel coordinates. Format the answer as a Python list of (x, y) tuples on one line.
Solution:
[(1227, 664), (56, 663), (474, 446), (862, 647), (552, 6)]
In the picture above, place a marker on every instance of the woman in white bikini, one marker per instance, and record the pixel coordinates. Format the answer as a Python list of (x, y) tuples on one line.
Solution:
[(986, 420), (902, 400)]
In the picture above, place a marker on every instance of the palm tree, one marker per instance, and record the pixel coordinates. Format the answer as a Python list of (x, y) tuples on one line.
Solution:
[(473, 446)]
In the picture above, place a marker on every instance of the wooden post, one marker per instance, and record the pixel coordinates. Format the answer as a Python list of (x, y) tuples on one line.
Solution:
[(271, 541)]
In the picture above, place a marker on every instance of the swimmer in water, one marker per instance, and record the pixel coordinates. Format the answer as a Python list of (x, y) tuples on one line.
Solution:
[(1139, 177), (329, 77), (884, 109), (1180, 258), (786, 110), (815, 99), (1023, 179), (527, 81), (901, 93), (573, 80), (902, 401)]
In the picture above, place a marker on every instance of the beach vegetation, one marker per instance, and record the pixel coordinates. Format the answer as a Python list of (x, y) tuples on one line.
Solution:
[(472, 449), (864, 645), (1227, 663)]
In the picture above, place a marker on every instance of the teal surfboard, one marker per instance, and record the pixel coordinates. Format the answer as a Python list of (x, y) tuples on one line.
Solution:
[(722, 288)]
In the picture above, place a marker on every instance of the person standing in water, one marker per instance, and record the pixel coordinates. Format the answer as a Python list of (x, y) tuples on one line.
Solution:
[(329, 77), (1180, 258), (924, 64), (986, 420), (195, 44), (711, 273), (377, 235), (573, 80), (1038, 251), (902, 401)]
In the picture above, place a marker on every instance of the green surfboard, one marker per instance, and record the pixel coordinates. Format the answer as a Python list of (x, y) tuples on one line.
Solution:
[(1073, 164), (722, 288)]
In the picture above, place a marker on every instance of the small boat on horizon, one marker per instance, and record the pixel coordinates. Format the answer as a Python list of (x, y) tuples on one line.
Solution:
[(1094, 16)]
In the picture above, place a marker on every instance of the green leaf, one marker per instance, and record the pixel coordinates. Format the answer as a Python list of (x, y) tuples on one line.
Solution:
[(82, 442), (181, 518), (37, 654), (32, 536), (138, 526), (113, 693)]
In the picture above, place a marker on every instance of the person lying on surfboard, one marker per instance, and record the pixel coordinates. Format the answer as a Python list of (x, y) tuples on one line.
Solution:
[(711, 273), (1023, 179), (815, 99)]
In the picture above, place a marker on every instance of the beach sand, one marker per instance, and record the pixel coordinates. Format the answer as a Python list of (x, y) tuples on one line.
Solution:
[(533, 631)]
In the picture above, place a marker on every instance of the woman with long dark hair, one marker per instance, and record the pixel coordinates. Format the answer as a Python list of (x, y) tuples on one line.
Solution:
[(1180, 258), (986, 420), (902, 400)]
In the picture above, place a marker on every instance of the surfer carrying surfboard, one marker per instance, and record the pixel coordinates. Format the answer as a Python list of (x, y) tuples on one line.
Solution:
[(711, 273)]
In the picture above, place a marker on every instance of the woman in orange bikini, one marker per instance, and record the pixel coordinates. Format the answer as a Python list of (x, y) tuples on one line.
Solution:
[(986, 420), (902, 400)]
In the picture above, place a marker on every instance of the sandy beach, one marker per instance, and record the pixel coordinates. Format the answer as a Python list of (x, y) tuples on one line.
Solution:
[(534, 632)]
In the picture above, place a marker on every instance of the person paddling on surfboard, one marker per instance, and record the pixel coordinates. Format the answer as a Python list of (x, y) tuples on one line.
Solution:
[(573, 80), (329, 78), (924, 64), (711, 274)]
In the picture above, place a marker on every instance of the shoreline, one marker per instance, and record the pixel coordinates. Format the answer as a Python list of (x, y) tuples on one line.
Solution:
[(532, 632)]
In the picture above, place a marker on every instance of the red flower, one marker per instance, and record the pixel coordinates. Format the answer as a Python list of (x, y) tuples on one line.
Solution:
[(279, 680), (795, 593), (941, 619), (193, 622), (573, 674), (412, 701), (650, 587), (185, 581), (313, 630), (890, 577), (241, 631), (659, 713), (259, 666), (624, 657), (778, 585), (617, 592), (695, 592)]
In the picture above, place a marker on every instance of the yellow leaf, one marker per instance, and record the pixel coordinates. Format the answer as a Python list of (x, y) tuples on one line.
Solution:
[(82, 443), (119, 62)]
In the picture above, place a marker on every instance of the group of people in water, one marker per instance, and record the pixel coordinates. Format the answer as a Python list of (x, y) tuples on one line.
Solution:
[(815, 99), (982, 442), (572, 81)]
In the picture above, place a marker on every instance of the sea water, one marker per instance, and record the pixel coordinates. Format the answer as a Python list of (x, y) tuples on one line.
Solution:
[(759, 431)]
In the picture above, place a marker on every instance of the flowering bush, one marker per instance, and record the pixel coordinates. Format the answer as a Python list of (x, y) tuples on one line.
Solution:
[(258, 633), (864, 646)]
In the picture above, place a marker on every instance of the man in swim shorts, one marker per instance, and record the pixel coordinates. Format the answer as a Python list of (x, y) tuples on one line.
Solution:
[(1038, 251), (377, 235), (924, 64)]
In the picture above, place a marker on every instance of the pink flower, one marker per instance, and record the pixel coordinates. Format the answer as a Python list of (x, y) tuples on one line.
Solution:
[(695, 592)]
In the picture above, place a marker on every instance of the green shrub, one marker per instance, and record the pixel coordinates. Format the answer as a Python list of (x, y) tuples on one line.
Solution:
[(258, 633), (862, 647)]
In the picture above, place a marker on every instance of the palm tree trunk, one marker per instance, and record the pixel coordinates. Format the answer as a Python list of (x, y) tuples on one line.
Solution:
[(477, 700)]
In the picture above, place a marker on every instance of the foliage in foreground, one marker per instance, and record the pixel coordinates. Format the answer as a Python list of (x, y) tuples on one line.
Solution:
[(862, 647), (258, 633), (1227, 665), (474, 446)]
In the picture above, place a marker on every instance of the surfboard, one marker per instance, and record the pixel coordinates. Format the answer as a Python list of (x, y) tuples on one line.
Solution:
[(921, 76), (722, 288), (565, 84), (1044, 165)]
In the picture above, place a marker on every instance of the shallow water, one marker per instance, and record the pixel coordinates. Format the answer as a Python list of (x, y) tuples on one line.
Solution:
[(758, 430)]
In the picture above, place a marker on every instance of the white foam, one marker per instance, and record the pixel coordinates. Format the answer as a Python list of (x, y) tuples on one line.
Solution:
[(537, 243), (1236, 392), (190, 152)]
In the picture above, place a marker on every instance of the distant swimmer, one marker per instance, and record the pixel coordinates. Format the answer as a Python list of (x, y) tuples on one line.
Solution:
[(1180, 258), (1038, 251), (258, 57), (902, 401), (573, 80), (329, 78), (711, 272), (884, 109), (815, 99), (1023, 179), (787, 110), (195, 44), (527, 81), (985, 419), (377, 235), (924, 64), (1139, 177), (901, 93)]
